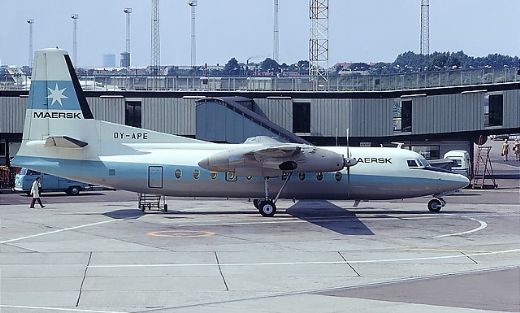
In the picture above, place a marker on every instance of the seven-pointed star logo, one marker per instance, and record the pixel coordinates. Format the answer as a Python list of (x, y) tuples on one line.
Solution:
[(56, 95)]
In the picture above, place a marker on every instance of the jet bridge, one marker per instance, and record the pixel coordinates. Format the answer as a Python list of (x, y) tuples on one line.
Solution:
[(234, 119)]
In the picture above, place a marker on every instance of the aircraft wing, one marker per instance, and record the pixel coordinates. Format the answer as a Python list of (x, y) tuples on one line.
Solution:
[(284, 151), (273, 160)]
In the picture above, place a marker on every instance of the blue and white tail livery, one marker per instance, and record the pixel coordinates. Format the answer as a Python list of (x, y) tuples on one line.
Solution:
[(61, 137)]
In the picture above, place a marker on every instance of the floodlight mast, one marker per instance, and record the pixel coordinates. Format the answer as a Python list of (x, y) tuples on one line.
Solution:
[(75, 18), (276, 33), (193, 4), (30, 22)]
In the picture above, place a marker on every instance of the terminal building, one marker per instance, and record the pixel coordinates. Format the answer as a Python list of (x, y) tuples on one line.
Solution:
[(429, 120)]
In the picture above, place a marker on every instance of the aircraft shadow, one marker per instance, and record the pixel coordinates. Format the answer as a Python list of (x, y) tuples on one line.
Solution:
[(329, 216)]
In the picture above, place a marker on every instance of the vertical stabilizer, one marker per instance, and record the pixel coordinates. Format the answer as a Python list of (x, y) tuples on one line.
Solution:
[(56, 102)]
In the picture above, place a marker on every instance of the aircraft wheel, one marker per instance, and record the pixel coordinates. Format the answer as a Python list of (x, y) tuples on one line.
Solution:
[(267, 208), (165, 208), (435, 205)]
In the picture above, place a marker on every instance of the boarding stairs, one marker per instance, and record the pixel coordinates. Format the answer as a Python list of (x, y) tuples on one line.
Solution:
[(483, 168)]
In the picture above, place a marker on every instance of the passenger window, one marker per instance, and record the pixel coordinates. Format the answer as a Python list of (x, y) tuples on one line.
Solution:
[(213, 175), (178, 173), (230, 176), (338, 176), (249, 177), (412, 163), (196, 174), (319, 176), (301, 175)]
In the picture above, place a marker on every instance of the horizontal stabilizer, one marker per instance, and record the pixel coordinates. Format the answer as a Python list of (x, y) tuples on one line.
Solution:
[(64, 142)]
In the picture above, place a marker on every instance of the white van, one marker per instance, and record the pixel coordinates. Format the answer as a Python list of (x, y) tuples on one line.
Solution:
[(463, 160)]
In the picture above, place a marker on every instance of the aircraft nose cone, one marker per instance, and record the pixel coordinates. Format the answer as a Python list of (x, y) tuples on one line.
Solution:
[(460, 181)]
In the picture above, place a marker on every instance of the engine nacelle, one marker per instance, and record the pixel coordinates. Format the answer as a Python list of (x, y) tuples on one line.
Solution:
[(308, 160)]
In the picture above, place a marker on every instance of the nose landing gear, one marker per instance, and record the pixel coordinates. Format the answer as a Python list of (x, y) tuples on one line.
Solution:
[(435, 205)]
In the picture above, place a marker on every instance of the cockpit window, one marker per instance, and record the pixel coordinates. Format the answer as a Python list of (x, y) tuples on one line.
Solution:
[(423, 162), (412, 163)]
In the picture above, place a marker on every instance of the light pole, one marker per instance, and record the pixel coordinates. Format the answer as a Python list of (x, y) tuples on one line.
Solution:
[(30, 22), (75, 18), (126, 56), (193, 5)]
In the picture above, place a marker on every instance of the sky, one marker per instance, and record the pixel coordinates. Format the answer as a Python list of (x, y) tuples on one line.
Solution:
[(359, 31)]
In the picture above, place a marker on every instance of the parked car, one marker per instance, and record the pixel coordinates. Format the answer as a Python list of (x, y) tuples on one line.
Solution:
[(461, 157), (23, 182)]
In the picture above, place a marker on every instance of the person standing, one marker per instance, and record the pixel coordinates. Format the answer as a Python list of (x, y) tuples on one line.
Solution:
[(505, 149), (35, 192), (516, 149)]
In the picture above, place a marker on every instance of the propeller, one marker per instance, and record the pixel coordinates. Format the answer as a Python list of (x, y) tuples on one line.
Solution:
[(349, 161)]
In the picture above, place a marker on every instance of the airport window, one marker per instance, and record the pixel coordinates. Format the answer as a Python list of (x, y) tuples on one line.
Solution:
[(494, 110), (428, 152), (178, 173), (213, 175), (412, 163), (319, 176), (133, 113), (338, 176), (406, 116), (301, 176), (2, 149), (196, 174), (396, 109), (301, 117)]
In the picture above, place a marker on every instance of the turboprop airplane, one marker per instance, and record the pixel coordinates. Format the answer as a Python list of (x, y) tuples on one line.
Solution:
[(61, 137)]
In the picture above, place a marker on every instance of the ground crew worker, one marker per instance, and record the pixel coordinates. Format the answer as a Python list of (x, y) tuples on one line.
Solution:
[(505, 149), (35, 192)]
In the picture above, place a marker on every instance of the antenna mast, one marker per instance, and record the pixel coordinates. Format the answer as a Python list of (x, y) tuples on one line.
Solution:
[(155, 39), (319, 42)]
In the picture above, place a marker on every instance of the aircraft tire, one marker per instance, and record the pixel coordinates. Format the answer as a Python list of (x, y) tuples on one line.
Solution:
[(435, 205), (267, 208)]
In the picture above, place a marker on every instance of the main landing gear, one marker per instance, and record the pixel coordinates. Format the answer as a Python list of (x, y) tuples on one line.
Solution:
[(435, 205), (267, 206)]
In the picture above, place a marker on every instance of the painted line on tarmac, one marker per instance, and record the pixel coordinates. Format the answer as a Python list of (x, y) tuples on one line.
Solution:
[(57, 231), (54, 309), (181, 233), (296, 220), (481, 227), (307, 263)]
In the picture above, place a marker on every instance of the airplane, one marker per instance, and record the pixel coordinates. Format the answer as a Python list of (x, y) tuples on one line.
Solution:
[(61, 137)]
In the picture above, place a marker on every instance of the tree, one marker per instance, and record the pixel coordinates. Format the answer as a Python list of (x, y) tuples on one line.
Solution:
[(270, 65), (303, 67), (232, 67)]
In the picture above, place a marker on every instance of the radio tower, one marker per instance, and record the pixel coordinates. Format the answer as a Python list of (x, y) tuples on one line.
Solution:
[(193, 5), (75, 18), (425, 27), (319, 42), (276, 33), (30, 22), (155, 42)]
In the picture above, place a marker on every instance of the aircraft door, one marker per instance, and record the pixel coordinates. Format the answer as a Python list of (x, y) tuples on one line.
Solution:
[(155, 176)]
